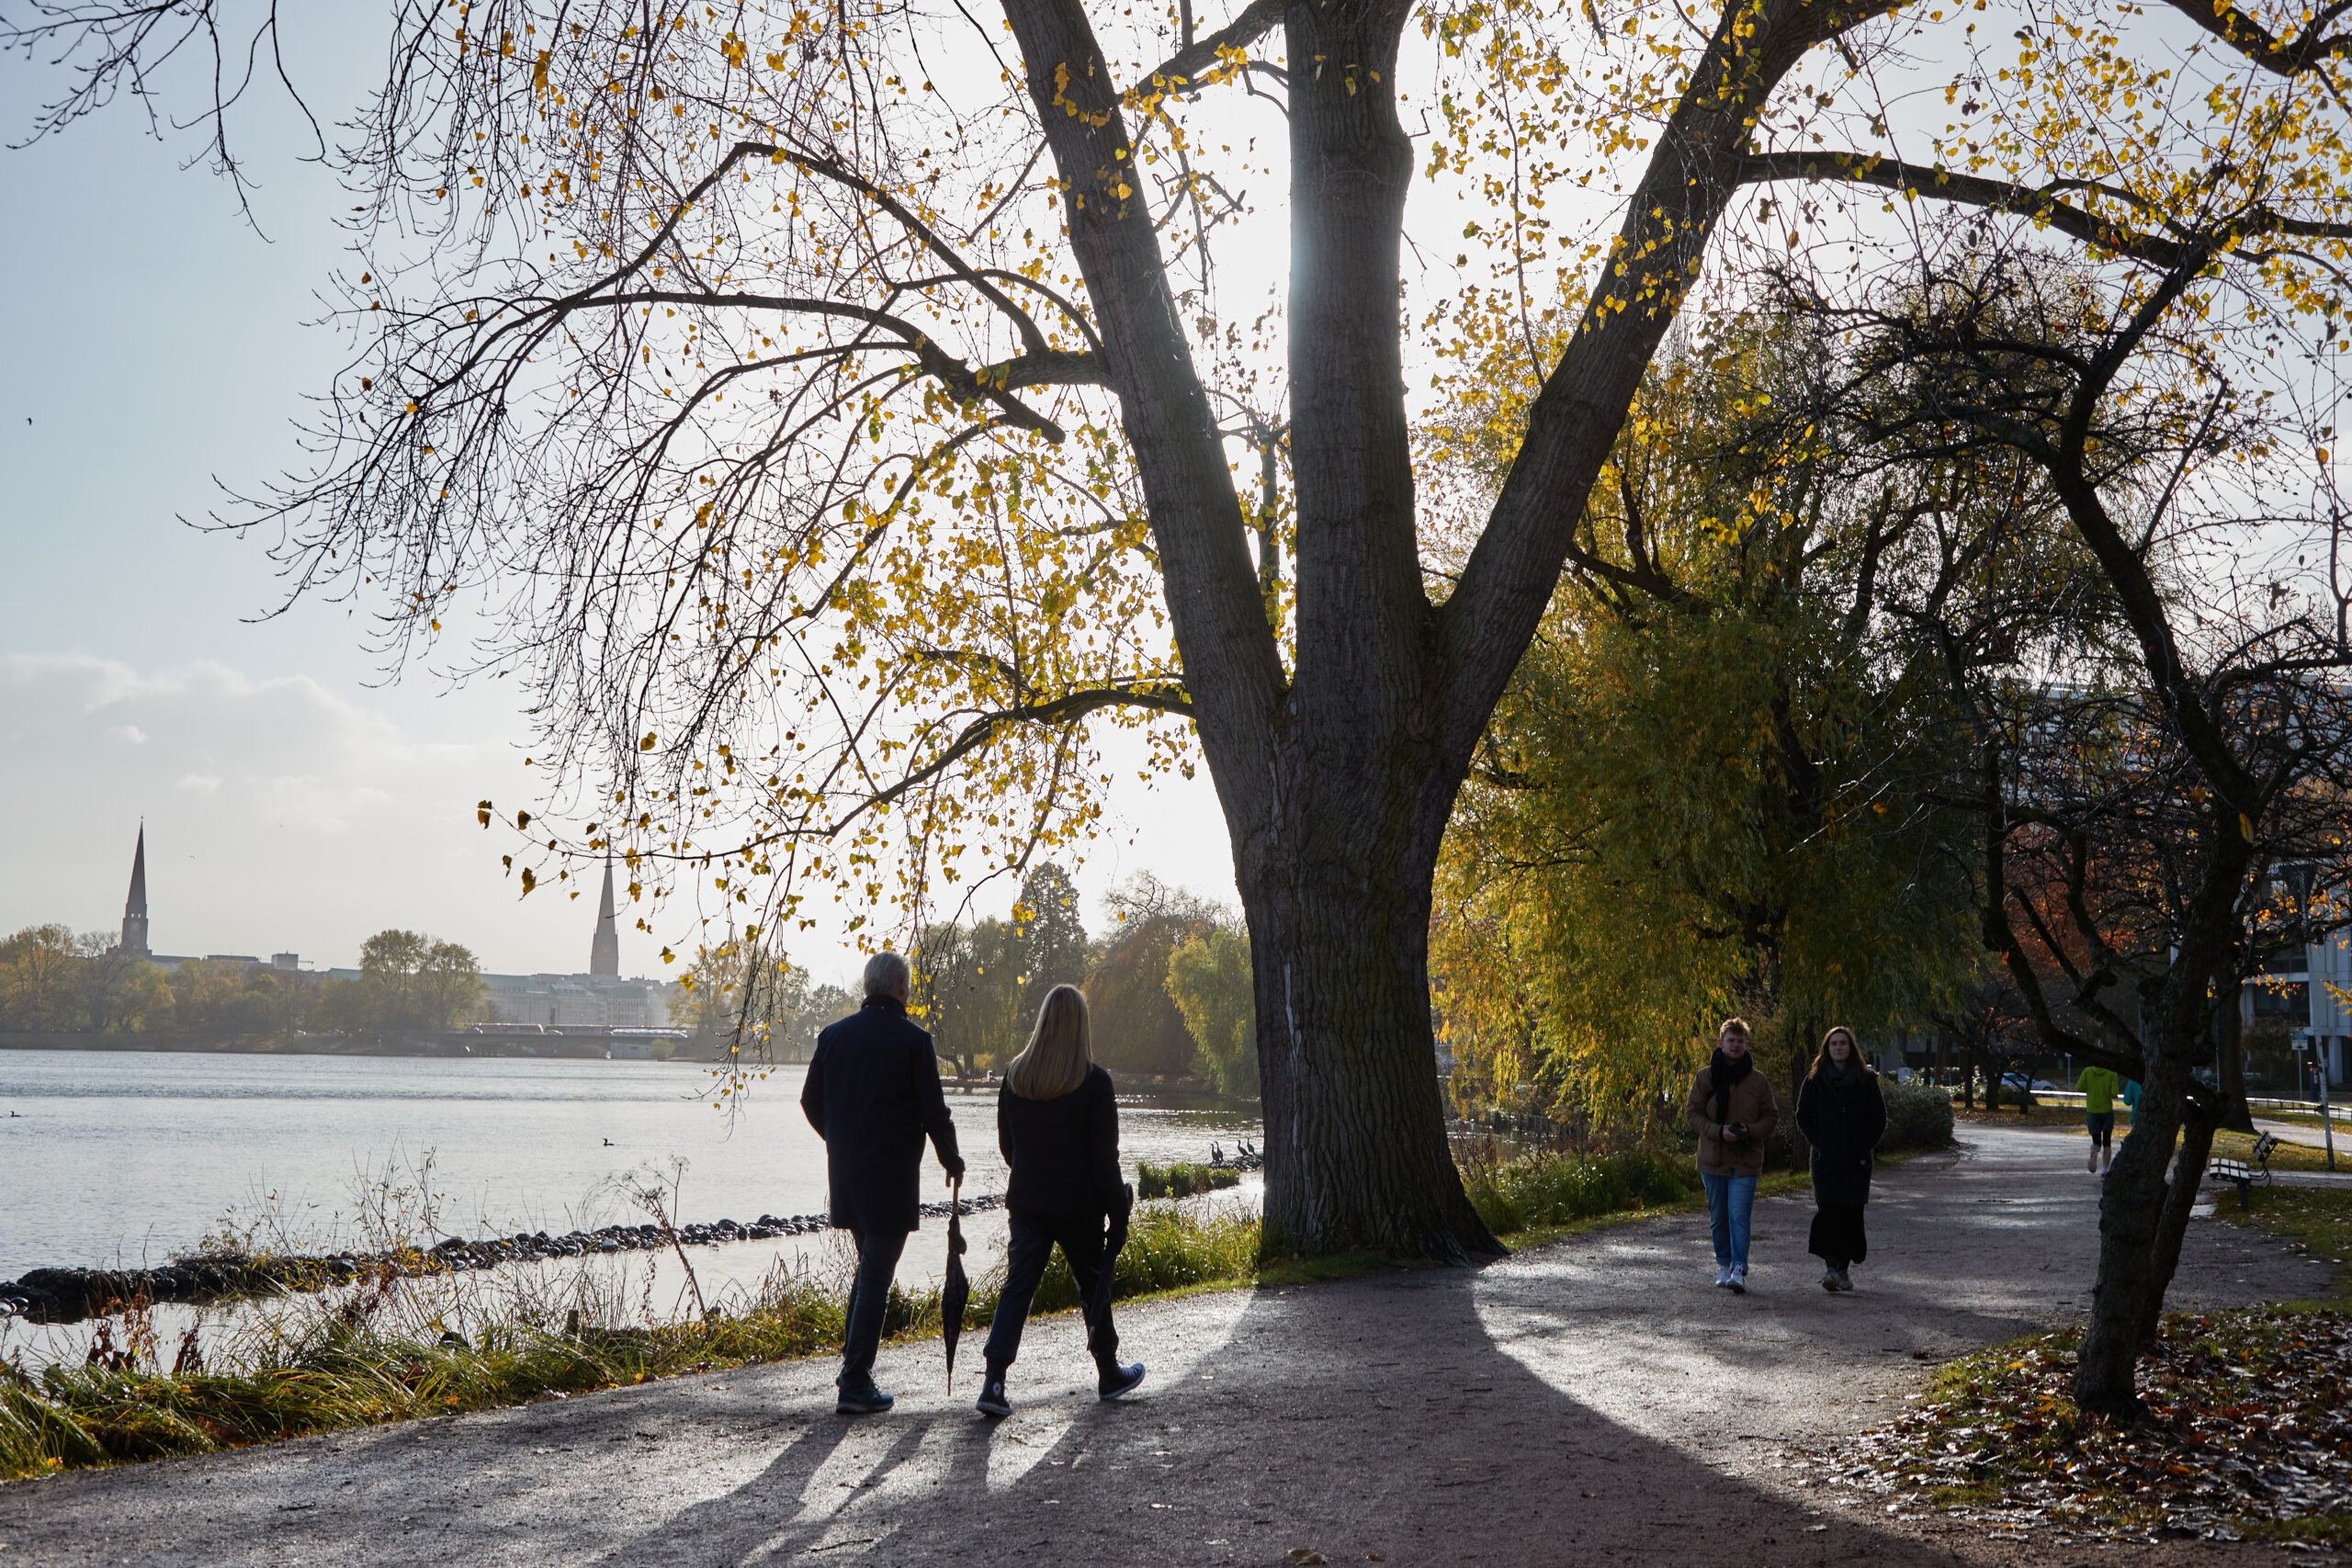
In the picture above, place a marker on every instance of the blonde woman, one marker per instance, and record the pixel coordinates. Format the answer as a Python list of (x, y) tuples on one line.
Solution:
[(1058, 1123)]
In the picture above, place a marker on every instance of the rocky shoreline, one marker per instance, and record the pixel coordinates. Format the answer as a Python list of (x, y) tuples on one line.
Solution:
[(71, 1295)]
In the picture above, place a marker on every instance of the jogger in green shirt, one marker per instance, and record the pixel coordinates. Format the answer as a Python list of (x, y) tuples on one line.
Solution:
[(2100, 1086)]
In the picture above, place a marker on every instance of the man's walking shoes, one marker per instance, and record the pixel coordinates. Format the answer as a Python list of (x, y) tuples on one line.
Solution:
[(861, 1399)]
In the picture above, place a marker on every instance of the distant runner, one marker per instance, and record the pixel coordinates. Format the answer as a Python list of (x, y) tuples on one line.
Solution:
[(2100, 1086)]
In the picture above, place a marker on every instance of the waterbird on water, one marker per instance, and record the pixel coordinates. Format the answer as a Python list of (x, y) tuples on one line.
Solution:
[(609, 1142)]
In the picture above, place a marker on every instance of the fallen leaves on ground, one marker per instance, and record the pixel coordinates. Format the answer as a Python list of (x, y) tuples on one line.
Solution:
[(2249, 1435)]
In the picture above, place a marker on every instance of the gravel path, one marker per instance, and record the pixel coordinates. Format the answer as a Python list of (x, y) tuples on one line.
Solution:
[(1591, 1401)]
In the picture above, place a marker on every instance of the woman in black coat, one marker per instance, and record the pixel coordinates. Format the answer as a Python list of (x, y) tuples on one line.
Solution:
[(1842, 1114), (1058, 1123)]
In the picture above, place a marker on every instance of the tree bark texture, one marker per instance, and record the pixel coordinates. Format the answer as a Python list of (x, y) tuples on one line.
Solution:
[(2181, 1196), (2133, 1268), (2228, 1059)]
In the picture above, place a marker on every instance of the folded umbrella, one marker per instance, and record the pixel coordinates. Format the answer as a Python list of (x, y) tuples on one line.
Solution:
[(954, 1295)]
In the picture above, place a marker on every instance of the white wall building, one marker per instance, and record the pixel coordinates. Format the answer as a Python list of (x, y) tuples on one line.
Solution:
[(577, 1001)]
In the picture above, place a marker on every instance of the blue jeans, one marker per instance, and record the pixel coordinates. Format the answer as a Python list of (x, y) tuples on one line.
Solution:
[(1730, 1200), (869, 1298)]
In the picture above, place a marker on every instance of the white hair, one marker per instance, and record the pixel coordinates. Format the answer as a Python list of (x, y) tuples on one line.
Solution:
[(886, 974)]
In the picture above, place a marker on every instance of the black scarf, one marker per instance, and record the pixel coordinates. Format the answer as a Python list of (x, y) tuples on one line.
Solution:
[(1727, 1072), (1843, 1082)]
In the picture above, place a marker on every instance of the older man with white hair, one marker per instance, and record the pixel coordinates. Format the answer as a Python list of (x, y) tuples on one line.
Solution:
[(873, 1094)]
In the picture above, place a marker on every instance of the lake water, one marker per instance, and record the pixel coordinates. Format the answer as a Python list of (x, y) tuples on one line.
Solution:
[(118, 1157)]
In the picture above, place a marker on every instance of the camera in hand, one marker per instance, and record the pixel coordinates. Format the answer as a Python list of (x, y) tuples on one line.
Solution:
[(1738, 1130)]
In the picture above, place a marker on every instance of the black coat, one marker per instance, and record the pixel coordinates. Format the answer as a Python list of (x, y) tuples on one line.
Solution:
[(1064, 1153), (873, 1093), (1844, 1125)]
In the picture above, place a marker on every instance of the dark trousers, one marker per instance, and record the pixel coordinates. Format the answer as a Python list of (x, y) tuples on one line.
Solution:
[(1034, 1240), (869, 1297), (1838, 1238)]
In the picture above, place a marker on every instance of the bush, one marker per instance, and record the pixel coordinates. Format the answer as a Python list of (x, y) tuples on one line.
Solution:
[(1919, 1116), (1182, 1181), (1558, 1189)]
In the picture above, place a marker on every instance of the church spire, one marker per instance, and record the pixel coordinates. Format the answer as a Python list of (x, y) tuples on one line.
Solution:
[(134, 909), (604, 953)]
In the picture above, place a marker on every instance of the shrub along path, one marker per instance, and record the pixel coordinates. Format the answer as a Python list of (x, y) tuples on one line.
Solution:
[(1591, 1401)]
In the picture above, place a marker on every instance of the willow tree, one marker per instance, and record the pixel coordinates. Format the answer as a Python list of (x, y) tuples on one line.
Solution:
[(846, 408), (1716, 782)]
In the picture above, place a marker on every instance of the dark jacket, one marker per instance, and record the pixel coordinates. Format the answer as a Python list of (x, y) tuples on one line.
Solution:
[(873, 1092), (1064, 1153), (1843, 1121)]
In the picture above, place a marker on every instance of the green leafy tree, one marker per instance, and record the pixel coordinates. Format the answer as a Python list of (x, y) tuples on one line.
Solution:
[(41, 980), (234, 1001), (1711, 785), (121, 993), (1052, 934), (744, 994), (408, 981), (450, 987), (970, 981), (1209, 981), (390, 965), (1137, 1026), (824, 1005)]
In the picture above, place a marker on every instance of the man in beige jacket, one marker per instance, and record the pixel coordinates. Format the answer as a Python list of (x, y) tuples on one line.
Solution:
[(1732, 1111)]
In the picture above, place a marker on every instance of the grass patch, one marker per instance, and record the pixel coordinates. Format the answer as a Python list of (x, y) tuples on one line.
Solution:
[(2249, 1435), (1183, 1181), (352, 1366), (2316, 1221), (374, 1353), (1541, 1190)]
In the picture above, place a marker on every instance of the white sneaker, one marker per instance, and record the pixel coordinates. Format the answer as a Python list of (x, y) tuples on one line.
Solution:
[(1739, 1282), (1723, 1275)]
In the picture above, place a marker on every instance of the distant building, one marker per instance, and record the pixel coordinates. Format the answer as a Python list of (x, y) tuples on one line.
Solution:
[(134, 909), (598, 999), (577, 1001), (605, 951)]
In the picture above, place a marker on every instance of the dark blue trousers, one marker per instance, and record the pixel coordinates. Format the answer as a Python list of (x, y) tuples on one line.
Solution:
[(1034, 1240), (869, 1297)]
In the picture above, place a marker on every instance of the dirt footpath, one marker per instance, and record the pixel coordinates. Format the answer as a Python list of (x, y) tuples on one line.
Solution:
[(1593, 1402)]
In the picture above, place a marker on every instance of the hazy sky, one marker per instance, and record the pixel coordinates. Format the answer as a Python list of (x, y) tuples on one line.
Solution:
[(155, 343)]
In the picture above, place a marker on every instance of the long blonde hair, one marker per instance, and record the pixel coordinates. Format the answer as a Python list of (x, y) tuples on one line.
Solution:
[(1059, 1054)]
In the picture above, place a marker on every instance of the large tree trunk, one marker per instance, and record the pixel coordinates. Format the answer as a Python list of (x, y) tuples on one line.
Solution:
[(2129, 1290), (2229, 1057), (2181, 1196), (1356, 1151)]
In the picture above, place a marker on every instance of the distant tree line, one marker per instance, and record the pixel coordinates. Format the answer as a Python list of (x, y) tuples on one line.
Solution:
[(53, 981), (751, 993), (1167, 986)]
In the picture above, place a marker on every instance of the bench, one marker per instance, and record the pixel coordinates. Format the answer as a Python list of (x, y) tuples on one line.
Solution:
[(2245, 1173)]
